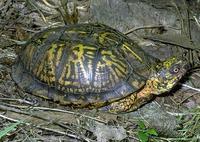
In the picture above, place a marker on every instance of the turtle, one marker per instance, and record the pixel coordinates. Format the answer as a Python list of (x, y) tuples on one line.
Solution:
[(92, 65)]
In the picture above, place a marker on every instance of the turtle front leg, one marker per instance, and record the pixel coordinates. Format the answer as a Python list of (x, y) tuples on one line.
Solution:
[(130, 103)]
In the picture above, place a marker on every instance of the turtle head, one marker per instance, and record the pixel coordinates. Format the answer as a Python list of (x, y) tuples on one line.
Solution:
[(167, 74)]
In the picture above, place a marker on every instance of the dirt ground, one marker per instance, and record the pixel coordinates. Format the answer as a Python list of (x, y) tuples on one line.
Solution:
[(161, 28)]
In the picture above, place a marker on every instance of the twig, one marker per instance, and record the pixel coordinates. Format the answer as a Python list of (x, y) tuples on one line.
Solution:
[(6, 108), (143, 27), (17, 100), (39, 117), (157, 39), (49, 5), (190, 87), (47, 129), (41, 14), (10, 119), (59, 110), (187, 98), (29, 30), (180, 16), (196, 20), (178, 139), (13, 40), (183, 114), (65, 133)]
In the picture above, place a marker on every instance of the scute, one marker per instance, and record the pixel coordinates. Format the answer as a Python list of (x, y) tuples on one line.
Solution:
[(84, 65)]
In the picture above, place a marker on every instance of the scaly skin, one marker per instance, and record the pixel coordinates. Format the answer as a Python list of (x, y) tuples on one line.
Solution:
[(168, 74)]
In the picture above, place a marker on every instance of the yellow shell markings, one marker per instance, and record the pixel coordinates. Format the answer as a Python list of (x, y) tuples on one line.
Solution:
[(67, 72), (75, 60), (113, 76), (79, 61), (28, 56), (115, 60), (61, 79), (69, 77), (51, 56), (75, 31), (102, 37), (133, 53), (105, 36), (90, 56), (45, 70), (117, 68), (39, 69), (59, 54), (92, 65), (110, 63)]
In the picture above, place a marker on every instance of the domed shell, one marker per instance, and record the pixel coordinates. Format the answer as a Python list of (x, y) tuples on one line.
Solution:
[(85, 65)]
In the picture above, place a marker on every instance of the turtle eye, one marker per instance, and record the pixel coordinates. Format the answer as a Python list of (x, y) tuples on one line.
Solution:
[(175, 69)]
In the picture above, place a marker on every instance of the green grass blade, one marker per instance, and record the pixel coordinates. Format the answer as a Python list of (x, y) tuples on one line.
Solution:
[(8, 129)]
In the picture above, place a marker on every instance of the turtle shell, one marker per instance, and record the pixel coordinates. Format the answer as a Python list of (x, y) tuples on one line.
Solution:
[(85, 65)]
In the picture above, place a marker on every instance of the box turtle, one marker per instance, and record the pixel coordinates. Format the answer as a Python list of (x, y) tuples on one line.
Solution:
[(93, 66)]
